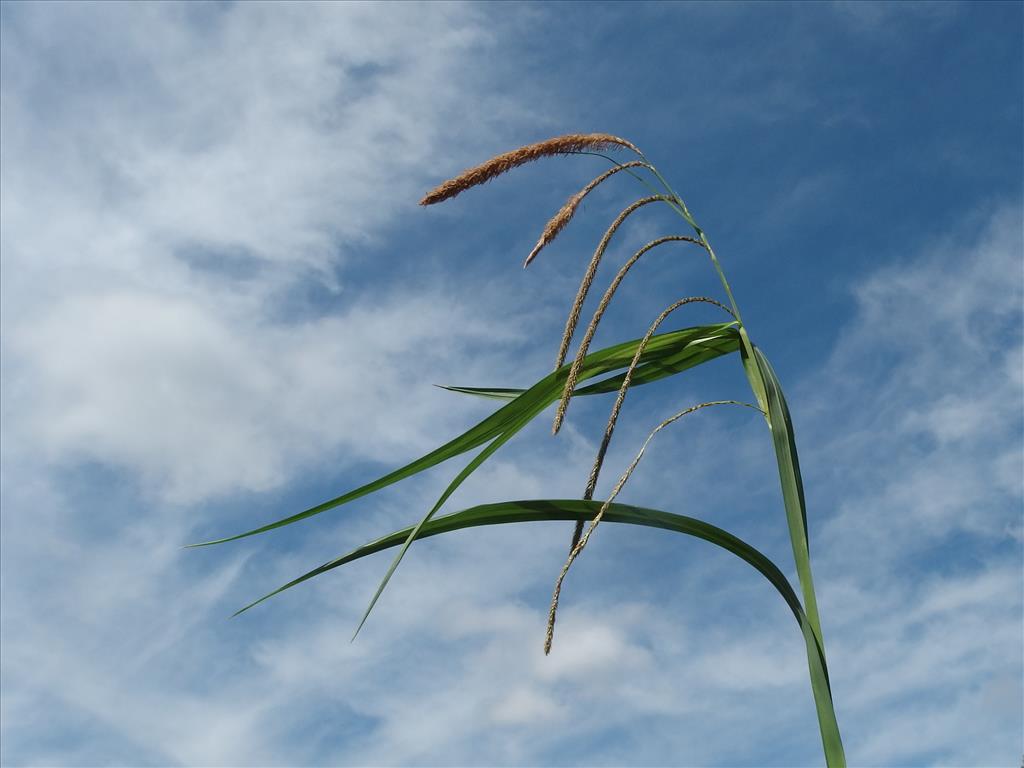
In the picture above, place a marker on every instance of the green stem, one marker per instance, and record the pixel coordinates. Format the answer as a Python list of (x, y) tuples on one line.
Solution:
[(636, 176), (769, 396), (683, 211), (772, 403), (721, 274)]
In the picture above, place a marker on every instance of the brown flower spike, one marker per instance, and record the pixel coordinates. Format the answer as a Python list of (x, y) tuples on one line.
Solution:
[(559, 145), (567, 211)]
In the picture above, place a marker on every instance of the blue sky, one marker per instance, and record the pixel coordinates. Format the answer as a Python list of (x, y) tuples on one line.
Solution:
[(221, 304)]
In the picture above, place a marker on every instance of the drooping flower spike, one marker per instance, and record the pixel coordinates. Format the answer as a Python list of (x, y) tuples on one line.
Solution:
[(559, 145)]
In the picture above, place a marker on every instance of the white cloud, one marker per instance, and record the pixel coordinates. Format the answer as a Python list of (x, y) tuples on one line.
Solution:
[(142, 332), (450, 669), (208, 126), (916, 438), (928, 385), (139, 380), (168, 179)]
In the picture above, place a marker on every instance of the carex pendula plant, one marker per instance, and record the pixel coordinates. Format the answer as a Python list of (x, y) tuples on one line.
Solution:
[(615, 369)]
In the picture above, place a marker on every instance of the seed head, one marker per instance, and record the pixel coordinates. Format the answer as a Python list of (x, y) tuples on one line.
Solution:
[(567, 211), (559, 145)]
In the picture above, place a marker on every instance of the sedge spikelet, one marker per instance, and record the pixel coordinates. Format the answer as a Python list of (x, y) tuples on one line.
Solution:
[(567, 211), (559, 145), (580, 543), (620, 398), (588, 280), (588, 336)]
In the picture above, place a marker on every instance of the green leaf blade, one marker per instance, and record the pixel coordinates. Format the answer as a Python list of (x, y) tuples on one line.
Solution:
[(645, 373), (579, 510), (787, 459), (674, 348)]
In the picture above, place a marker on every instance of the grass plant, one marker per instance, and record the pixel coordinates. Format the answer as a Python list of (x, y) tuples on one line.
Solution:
[(613, 369)]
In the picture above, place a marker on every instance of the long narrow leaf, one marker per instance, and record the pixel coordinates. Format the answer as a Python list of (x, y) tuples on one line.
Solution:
[(753, 374), (536, 510), (417, 529), (575, 509), (644, 374), (677, 350), (493, 393), (674, 365), (784, 442)]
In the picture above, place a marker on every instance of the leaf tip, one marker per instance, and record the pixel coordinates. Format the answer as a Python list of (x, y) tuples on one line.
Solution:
[(358, 630)]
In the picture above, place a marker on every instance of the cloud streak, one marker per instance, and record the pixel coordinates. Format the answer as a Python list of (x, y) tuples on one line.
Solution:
[(177, 179), (205, 169)]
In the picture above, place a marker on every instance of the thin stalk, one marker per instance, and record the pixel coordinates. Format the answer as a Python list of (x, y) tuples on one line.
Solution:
[(685, 213), (679, 205), (588, 336), (768, 392), (581, 543), (721, 273), (766, 389), (636, 176), (675, 201), (591, 271), (627, 381)]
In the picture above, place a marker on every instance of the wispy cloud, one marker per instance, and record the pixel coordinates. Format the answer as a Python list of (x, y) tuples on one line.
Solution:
[(937, 653), (168, 181), (173, 175), (928, 381)]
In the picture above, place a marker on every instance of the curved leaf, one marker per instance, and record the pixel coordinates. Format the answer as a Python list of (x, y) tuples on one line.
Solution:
[(416, 530), (676, 351), (644, 373), (492, 393), (784, 441), (579, 510), (696, 355), (535, 510)]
